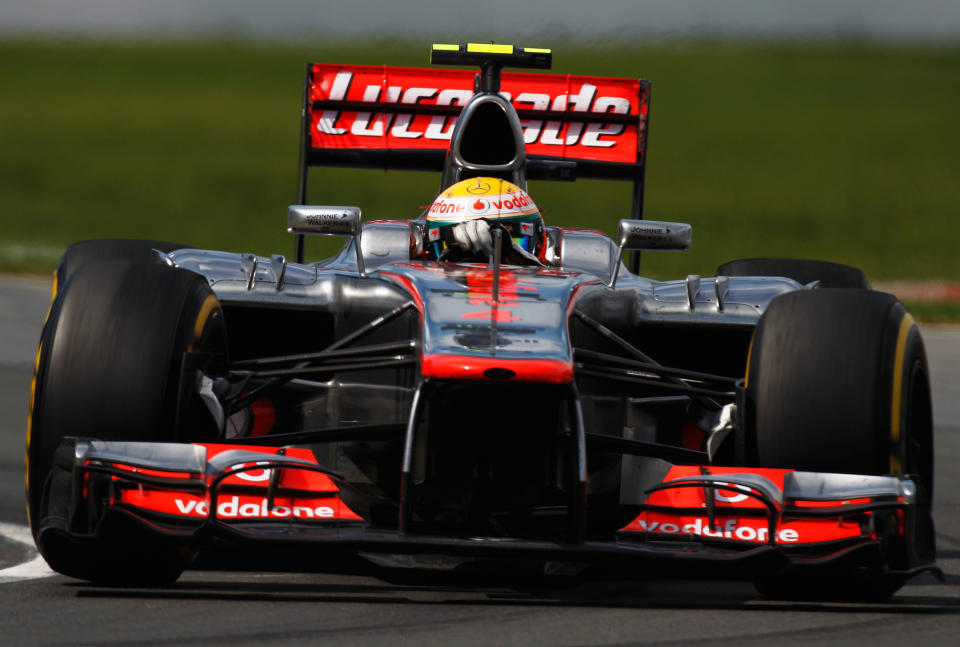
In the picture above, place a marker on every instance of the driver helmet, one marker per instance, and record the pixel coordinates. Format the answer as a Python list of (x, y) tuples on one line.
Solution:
[(497, 201)]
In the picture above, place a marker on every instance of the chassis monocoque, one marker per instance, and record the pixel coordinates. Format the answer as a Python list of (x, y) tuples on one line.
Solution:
[(771, 422)]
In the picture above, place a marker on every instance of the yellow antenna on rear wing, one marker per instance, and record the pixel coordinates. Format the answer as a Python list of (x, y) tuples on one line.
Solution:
[(491, 58)]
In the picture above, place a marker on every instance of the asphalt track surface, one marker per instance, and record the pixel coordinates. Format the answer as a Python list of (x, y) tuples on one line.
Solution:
[(260, 608)]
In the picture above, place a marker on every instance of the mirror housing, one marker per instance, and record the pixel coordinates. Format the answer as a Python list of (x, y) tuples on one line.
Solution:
[(327, 221), (649, 234), (653, 234), (323, 220)]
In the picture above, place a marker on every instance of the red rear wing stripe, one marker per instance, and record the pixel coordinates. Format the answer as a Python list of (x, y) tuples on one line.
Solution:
[(398, 117)]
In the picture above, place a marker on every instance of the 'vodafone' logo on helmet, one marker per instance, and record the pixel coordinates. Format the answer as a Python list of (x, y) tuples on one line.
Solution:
[(519, 200), (446, 206), (462, 201)]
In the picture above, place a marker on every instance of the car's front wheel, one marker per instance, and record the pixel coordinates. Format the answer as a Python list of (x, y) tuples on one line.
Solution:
[(109, 367), (837, 381)]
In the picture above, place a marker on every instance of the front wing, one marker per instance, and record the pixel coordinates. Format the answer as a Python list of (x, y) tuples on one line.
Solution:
[(754, 520)]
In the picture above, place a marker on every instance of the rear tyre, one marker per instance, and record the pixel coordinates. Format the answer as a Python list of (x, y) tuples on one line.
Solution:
[(109, 367), (803, 271), (837, 381)]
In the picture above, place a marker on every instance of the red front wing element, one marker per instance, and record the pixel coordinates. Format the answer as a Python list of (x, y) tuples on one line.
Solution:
[(258, 490), (719, 504), (758, 506), (711, 515)]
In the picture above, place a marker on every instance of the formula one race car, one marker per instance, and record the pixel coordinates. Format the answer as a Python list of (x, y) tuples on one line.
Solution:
[(410, 403)]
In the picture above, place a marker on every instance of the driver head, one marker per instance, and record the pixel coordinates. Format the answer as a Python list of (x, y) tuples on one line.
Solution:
[(497, 201)]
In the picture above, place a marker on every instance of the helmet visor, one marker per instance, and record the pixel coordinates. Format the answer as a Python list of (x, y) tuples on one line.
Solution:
[(526, 234)]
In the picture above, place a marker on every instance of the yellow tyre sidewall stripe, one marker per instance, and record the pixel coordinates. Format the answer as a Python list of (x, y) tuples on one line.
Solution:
[(26, 456), (209, 305), (33, 395), (896, 407)]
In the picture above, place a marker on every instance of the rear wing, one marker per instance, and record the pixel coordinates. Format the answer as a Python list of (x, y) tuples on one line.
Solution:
[(403, 118)]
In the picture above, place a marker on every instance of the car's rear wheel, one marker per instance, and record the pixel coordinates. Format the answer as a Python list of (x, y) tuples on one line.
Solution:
[(109, 367), (801, 270), (837, 381)]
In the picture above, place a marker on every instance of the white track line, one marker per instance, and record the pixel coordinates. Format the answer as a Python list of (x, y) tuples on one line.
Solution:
[(31, 570)]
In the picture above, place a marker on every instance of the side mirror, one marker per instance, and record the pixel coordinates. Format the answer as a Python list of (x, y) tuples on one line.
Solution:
[(650, 234), (327, 221)]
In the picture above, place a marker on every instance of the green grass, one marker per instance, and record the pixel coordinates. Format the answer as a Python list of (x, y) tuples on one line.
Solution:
[(934, 312), (841, 152)]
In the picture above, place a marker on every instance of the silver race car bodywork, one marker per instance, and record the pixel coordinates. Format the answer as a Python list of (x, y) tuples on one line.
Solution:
[(385, 406)]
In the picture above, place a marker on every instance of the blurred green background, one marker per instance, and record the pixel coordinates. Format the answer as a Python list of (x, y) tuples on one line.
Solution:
[(843, 152)]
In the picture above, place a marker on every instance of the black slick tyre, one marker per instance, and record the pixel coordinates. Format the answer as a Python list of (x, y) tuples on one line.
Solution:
[(84, 252), (837, 381), (109, 367), (803, 271)]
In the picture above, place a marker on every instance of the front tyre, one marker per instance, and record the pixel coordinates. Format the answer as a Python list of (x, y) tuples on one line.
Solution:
[(837, 381), (109, 367), (99, 250)]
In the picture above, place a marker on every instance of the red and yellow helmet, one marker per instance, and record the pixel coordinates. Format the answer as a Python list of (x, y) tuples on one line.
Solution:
[(498, 201)]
